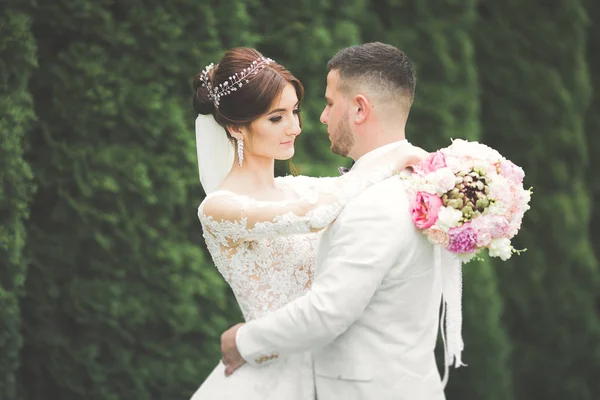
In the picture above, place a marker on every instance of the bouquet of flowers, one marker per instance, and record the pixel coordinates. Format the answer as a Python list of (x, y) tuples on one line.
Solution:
[(467, 197)]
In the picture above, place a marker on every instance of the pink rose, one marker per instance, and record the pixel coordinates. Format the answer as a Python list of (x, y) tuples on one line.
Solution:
[(433, 162), (512, 172), (424, 209), (438, 236)]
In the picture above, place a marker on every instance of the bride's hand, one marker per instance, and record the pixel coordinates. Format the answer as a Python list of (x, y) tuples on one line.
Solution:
[(397, 159), (408, 157)]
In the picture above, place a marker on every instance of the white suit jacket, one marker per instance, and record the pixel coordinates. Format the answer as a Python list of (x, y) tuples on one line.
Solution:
[(371, 316)]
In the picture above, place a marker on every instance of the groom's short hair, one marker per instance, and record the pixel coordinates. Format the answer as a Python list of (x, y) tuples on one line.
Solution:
[(381, 67)]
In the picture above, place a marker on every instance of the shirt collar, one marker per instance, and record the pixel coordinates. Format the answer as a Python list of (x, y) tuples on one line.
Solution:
[(380, 150)]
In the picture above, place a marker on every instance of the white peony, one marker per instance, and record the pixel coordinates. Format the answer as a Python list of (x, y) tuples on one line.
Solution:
[(417, 183), (500, 191), (500, 248), (524, 200), (443, 180), (482, 165), (497, 208), (448, 217), (465, 257), (466, 149), (459, 163)]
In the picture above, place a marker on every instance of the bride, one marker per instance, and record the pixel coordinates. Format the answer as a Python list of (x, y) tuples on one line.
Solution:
[(262, 231)]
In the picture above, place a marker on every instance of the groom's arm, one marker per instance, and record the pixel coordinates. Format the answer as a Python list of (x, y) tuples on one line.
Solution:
[(366, 241)]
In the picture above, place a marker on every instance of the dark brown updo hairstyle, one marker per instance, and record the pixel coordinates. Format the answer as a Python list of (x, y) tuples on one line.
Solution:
[(253, 99)]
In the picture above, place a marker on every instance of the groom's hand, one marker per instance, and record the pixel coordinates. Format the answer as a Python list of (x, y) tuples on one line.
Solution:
[(231, 356)]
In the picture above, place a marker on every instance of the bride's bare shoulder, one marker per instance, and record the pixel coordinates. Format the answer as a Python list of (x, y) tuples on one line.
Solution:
[(222, 205)]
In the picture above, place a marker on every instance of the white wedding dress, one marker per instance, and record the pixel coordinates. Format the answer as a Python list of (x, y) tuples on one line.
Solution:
[(266, 252)]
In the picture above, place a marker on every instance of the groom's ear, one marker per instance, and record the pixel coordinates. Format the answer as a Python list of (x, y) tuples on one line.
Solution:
[(362, 108)]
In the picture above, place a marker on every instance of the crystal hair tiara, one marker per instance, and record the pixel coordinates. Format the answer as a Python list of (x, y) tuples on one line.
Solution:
[(234, 82)]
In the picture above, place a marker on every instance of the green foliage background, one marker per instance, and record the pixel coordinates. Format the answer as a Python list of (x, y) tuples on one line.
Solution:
[(106, 289)]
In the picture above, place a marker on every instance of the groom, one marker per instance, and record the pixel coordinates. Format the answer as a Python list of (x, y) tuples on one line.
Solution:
[(371, 316)]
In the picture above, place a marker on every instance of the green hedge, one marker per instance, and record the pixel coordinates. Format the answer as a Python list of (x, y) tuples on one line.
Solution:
[(535, 91), (17, 62), (592, 122), (117, 298), (121, 300)]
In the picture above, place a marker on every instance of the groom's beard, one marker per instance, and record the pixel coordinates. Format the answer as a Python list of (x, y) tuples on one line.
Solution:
[(342, 139)]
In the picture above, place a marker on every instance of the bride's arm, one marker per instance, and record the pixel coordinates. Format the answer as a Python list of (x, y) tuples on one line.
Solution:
[(249, 219), (304, 184)]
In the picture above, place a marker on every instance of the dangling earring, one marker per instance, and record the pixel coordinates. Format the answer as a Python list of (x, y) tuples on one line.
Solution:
[(240, 148)]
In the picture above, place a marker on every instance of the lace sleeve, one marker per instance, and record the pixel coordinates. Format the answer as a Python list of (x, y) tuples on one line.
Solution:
[(245, 218), (305, 185)]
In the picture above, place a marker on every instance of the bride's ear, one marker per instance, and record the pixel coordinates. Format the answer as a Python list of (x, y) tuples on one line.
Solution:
[(236, 131)]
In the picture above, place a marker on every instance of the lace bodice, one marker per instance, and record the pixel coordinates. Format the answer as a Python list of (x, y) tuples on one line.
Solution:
[(266, 250), (265, 273)]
